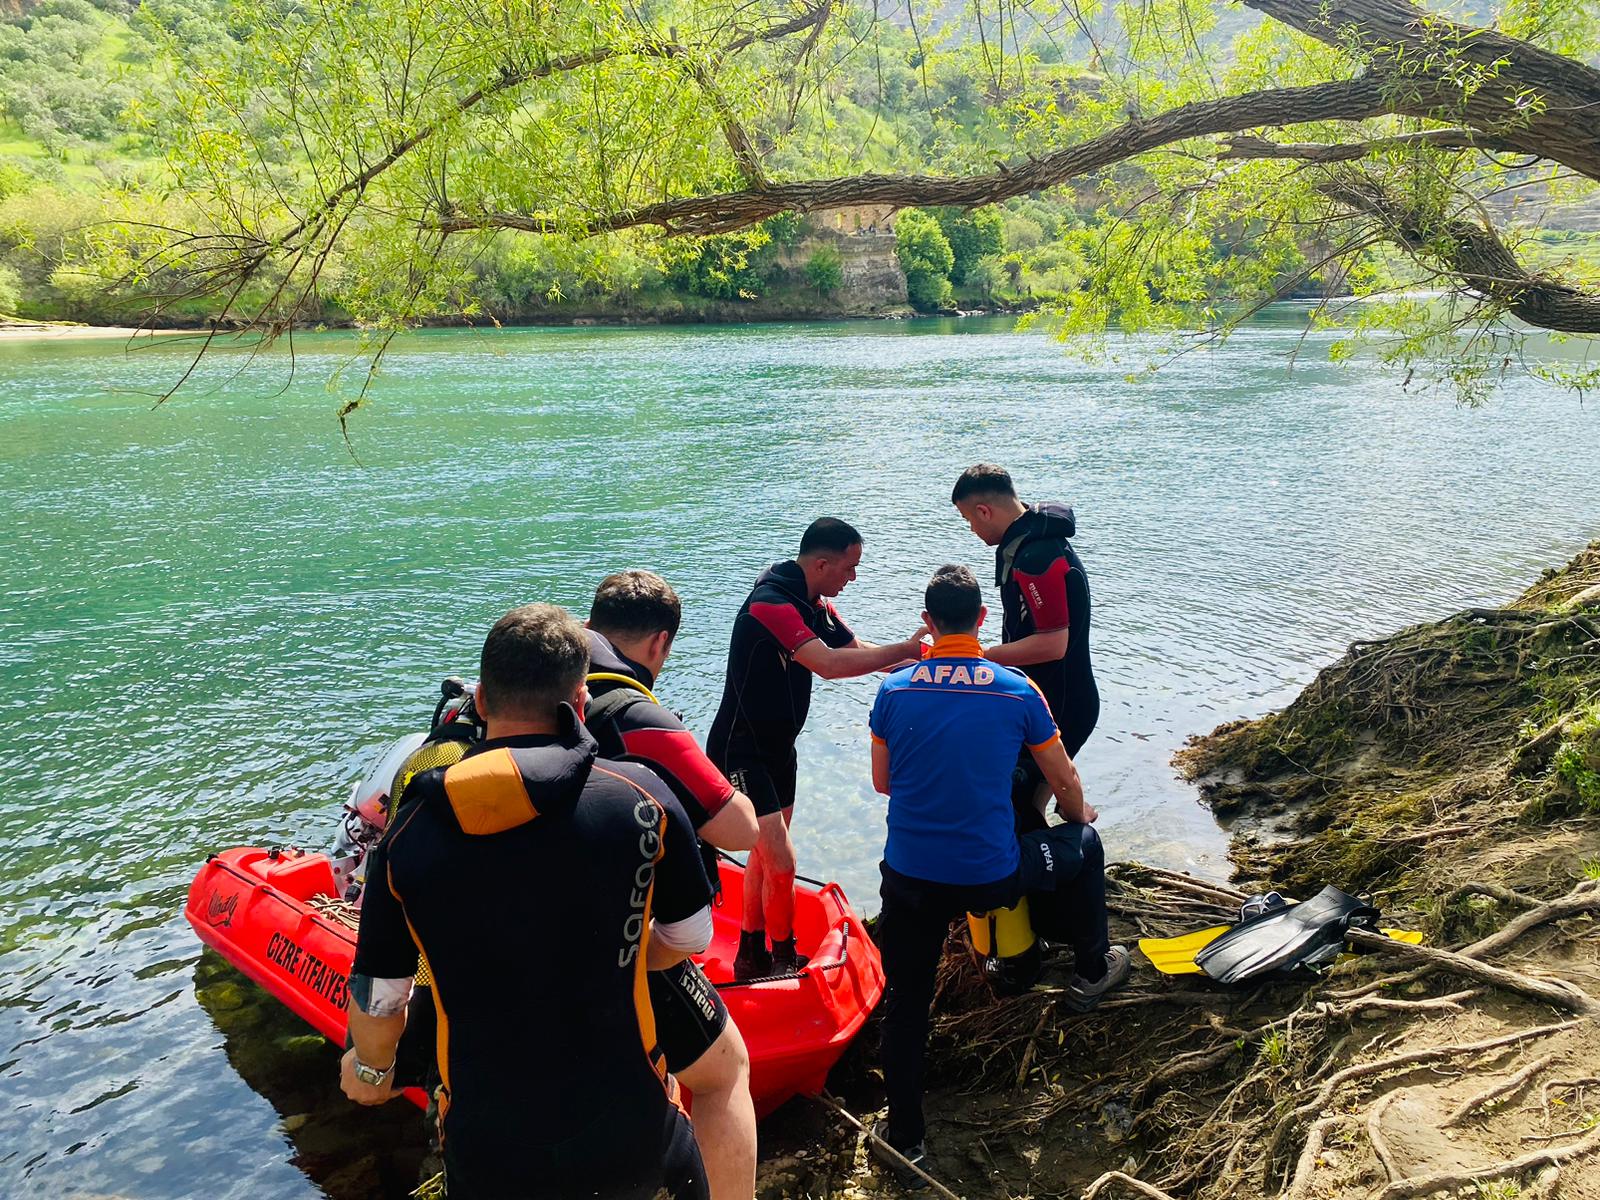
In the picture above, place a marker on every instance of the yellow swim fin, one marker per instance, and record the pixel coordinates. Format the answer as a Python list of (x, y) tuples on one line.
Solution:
[(1411, 937), (1175, 955)]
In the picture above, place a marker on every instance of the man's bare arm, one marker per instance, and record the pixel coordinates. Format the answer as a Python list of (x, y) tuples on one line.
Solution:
[(1035, 648), (376, 1041), (1062, 776), (880, 766), (735, 827), (847, 662)]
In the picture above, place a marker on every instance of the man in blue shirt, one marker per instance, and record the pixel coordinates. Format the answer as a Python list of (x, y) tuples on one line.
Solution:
[(946, 733)]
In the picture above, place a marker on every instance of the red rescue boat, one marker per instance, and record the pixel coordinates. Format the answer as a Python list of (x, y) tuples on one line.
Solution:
[(272, 914)]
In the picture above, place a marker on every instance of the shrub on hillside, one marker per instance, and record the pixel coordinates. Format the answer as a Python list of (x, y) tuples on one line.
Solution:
[(972, 236), (10, 290), (825, 270), (723, 267), (926, 258)]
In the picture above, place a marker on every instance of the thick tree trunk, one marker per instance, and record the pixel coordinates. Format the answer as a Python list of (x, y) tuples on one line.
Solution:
[(1543, 103)]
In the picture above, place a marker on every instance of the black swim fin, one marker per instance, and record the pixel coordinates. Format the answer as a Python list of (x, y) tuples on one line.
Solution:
[(1308, 934)]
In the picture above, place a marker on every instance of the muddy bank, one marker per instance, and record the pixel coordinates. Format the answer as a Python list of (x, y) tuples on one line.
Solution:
[(1452, 773)]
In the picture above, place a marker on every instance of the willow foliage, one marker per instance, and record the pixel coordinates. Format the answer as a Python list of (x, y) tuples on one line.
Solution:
[(380, 147)]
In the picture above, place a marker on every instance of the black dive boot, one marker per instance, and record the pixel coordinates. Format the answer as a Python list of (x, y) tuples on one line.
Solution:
[(753, 961), (784, 959)]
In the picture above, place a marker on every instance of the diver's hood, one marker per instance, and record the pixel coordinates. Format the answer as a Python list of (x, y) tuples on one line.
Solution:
[(787, 576), (1052, 519)]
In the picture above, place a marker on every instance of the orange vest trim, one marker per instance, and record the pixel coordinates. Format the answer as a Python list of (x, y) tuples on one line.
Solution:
[(488, 794)]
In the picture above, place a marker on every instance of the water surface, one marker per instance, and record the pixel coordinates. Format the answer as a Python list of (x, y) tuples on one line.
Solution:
[(213, 613)]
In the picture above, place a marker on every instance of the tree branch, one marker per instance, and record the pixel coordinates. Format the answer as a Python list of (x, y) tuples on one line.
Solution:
[(1540, 102), (1353, 100), (515, 77), (1248, 146), (1476, 255)]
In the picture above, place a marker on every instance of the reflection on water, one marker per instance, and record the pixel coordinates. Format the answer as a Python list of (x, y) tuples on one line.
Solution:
[(355, 1153), (212, 615)]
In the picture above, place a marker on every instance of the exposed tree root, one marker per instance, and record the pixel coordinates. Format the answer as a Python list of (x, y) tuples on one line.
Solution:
[(1307, 1164), (1398, 1062), (1138, 1185), (1380, 1147), (1504, 1088), (1439, 1181), (1558, 992)]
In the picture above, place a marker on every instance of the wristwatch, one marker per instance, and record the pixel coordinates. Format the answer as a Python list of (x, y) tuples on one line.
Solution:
[(372, 1076)]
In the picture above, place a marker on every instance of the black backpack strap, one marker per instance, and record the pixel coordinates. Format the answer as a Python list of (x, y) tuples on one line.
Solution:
[(601, 716)]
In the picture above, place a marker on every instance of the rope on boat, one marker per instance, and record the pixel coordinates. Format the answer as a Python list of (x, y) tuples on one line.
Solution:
[(339, 911)]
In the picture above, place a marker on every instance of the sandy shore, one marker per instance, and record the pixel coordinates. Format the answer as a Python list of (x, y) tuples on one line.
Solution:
[(27, 330)]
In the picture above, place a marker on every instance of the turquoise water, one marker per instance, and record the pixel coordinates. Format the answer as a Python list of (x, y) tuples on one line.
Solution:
[(213, 613)]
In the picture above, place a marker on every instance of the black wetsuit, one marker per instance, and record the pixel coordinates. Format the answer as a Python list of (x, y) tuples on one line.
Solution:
[(527, 875), (1043, 588), (767, 694), (690, 1015)]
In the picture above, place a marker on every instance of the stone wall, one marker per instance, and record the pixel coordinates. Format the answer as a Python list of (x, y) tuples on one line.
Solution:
[(873, 280)]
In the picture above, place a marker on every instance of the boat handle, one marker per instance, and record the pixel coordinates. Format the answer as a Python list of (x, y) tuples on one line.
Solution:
[(844, 951)]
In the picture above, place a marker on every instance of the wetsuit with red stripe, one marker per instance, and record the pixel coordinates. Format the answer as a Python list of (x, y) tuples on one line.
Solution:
[(647, 733), (527, 875), (767, 694), (690, 1015), (1043, 588)]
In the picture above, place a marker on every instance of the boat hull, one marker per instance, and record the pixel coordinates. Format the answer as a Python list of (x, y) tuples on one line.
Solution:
[(255, 908)]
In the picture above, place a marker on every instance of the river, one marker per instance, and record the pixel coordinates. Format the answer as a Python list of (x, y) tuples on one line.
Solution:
[(214, 611)]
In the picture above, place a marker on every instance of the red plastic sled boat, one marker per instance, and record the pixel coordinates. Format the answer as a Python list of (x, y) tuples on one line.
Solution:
[(255, 908)]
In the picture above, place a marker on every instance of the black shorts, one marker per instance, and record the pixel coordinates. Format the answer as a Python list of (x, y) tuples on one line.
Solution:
[(690, 1015), (641, 1167), (769, 783)]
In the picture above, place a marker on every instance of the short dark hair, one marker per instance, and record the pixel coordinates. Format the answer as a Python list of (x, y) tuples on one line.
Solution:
[(953, 599), (829, 534), (635, 603), (984, 479), (534, 658)]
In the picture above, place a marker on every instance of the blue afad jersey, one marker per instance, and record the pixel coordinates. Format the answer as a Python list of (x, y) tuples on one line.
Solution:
[(954, 726)]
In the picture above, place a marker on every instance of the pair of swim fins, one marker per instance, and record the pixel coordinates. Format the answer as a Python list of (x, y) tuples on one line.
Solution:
[(1275, 937)]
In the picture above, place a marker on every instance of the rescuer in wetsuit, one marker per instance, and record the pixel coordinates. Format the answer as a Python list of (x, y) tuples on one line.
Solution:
[(631, 625), (538, 882), (786, 631), (1044, 597), (945, 735)]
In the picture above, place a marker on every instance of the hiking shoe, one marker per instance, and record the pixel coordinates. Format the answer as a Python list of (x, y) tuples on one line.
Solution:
[(754, 960), (917, 1155), (784, 960), (1081, 994)]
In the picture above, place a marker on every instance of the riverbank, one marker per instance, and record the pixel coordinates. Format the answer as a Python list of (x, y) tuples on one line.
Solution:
[(1452, 773), (703, 313)]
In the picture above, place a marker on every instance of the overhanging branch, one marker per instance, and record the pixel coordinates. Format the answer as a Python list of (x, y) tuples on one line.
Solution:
[(1539, 102), (1248, 146), (1353, 100), (1475, 254)]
